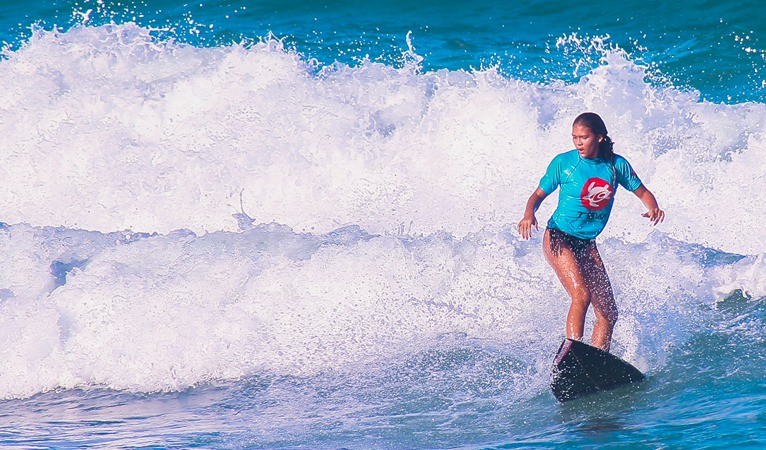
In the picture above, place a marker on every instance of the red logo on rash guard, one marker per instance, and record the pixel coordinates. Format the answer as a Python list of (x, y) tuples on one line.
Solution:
[(596, 194)]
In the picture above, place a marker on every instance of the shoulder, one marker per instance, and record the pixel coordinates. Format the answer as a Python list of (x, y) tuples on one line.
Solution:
[(626, 172), (621, 163), (619, 159)]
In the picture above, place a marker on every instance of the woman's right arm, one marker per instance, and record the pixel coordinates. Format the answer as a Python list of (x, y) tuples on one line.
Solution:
[(529, 220)]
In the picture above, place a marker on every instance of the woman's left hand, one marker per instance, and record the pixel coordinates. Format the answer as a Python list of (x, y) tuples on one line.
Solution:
[(655, 215)]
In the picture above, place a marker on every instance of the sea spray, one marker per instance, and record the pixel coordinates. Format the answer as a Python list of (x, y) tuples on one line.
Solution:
[(164, 312), (136, 133)]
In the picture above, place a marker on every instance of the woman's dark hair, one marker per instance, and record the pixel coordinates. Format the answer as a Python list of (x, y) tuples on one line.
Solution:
[(597, 126)]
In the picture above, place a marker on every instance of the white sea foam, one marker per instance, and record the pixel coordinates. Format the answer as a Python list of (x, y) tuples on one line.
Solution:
[(106, 128), (164, 312), (747, 276), (392, 193)]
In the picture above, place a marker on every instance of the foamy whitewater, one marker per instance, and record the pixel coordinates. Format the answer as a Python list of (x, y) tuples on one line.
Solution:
[(340, 238), (133, 133)]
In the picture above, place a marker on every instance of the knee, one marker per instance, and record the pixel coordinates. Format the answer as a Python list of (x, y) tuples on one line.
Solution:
[(609, 315), (581, 297)]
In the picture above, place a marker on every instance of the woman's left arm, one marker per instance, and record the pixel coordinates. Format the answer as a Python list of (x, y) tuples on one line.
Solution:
[(654, 213)]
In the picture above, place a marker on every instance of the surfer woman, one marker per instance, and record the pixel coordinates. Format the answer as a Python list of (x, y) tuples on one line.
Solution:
[(588, 178)]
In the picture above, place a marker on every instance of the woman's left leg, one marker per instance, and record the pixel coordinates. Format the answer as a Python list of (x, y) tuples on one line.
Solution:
[(602, 296)]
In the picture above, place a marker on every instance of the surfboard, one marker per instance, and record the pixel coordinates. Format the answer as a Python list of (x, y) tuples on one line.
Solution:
[(581, 369)]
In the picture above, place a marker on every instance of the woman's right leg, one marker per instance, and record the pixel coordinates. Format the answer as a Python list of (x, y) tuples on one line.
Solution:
[(565, 263)]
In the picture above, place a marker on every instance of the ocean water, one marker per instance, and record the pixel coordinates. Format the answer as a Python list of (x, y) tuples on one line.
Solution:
[(292, 224)]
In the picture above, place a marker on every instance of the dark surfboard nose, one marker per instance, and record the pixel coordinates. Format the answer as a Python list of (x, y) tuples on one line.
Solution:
[(580, 369)]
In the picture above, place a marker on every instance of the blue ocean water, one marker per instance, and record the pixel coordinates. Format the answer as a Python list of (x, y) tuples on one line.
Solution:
[(292, 224), (712, 47)]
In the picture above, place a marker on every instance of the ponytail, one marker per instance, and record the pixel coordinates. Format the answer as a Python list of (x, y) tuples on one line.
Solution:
[(606, 148)]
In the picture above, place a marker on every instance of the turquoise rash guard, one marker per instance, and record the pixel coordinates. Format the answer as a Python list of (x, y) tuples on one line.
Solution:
[(587, 191)]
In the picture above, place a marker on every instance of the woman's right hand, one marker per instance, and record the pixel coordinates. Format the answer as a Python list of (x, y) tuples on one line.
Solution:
[(529, 221), (526, 225)]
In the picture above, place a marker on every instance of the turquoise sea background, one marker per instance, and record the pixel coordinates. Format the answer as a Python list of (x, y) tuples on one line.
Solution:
[(709, 46), (292, 224)]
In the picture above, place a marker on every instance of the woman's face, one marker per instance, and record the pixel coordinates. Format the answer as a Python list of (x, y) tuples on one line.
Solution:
[(586, 143)]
